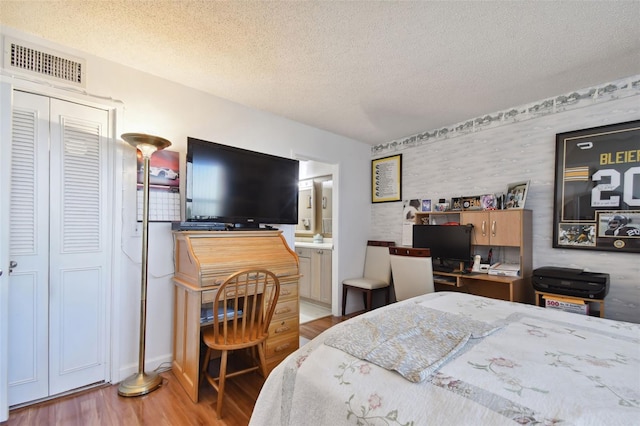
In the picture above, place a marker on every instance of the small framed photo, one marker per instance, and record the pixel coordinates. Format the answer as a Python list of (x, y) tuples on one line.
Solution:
[(442, 207), (471, 203), (456, 203), (488, 202), (516, 195), (426, 205)]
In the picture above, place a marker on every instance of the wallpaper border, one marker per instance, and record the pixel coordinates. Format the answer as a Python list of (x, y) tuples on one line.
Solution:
[(617, 89)]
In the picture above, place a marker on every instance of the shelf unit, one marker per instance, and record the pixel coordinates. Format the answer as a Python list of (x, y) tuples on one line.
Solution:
[(541, 295), (508, 232)]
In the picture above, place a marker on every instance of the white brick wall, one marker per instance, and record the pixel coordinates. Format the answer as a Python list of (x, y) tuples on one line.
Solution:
[(486, 160)]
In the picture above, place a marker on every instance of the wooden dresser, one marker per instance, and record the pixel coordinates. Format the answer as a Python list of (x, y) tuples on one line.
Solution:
[(203, 260)]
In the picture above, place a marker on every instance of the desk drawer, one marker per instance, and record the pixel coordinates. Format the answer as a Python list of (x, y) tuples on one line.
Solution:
[(282, 327), (280, 347), (285, 309), (208, 296), (288, 291)]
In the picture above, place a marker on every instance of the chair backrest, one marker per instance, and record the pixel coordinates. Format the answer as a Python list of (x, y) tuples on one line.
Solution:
[(245, 304), (377, 264), (412, 272)]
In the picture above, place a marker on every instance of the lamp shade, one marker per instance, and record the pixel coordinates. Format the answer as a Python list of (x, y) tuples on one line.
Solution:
[(139, 139)]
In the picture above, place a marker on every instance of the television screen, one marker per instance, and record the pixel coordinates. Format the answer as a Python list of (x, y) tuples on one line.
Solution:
[(236, 186), (447, 242)]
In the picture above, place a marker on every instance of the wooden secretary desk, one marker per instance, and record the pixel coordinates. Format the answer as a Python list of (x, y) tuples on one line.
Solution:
[(203, 260)]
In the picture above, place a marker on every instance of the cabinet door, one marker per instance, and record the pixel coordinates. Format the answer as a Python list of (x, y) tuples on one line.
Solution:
[(506, 227), (304, 255), (28, 291), (316, 274), (481, 227), (325, 276)]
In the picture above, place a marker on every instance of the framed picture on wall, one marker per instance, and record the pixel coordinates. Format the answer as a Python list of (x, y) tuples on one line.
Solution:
[(386, 179), (597, 188), (164, 186), (409, 210)]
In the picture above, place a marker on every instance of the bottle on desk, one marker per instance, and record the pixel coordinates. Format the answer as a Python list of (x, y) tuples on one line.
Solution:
[(476, 263)]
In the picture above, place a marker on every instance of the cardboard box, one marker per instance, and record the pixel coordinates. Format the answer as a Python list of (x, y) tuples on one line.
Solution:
[(576, 306)]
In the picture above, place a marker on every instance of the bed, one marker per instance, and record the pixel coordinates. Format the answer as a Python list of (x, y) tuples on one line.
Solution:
[(453, 359)]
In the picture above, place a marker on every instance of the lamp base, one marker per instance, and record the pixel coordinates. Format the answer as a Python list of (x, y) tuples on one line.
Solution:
[(139, 384)]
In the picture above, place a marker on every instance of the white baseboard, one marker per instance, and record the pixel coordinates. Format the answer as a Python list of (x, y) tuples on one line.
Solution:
[(160, 363)]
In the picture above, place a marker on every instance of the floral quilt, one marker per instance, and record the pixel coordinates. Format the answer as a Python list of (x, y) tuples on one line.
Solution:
[(539, 366)]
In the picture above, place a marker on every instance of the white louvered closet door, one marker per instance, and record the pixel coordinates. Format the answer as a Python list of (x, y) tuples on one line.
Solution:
[(28, 359), (59, 240)]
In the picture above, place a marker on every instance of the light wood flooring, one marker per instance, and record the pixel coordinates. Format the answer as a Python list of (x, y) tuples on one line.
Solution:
[(310, 311), (169, 405)]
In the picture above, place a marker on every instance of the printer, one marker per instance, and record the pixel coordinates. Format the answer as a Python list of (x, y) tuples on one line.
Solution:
[(571, 282)]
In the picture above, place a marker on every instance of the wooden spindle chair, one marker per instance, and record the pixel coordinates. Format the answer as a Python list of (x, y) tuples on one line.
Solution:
[(245, 303)]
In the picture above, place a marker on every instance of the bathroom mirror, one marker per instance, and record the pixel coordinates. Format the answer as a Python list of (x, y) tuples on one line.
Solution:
[(326, 206), (306, 208)]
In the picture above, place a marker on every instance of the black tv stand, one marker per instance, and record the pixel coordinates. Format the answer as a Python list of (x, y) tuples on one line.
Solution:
[(446, 265), (197, 226), (440, 267), (218, 226)]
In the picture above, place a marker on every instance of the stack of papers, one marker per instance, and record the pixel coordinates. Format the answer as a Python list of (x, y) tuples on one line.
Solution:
[(505, 269), (206, 314)]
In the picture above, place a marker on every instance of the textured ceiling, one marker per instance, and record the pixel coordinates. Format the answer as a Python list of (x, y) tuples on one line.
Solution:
[(370, 70)]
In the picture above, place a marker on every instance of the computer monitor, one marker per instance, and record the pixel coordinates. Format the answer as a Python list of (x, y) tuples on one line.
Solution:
[(446, 242)]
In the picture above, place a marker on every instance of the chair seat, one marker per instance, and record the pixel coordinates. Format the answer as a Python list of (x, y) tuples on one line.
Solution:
[(231, 342), (366, 283)]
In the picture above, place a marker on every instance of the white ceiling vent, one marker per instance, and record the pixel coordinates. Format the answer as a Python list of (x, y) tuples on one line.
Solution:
[(26, 58)]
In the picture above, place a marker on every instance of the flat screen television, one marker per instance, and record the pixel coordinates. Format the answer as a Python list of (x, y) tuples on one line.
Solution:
[(238, 187), (448, 243)]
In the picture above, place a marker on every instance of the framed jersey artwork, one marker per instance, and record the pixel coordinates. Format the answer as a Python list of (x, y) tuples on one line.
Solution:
[(597, 188)]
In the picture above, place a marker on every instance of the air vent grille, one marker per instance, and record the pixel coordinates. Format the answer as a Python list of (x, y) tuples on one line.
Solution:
[(34, 60)]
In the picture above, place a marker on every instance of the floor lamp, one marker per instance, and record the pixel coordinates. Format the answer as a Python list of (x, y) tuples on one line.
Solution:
[(143, 383)]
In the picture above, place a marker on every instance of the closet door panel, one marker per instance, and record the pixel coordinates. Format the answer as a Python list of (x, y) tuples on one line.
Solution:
[(79, 344), (29, 248), (79, 259), (28, 349)]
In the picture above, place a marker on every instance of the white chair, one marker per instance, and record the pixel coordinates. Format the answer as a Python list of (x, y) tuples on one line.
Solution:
[(412, 271), (376, 275)]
